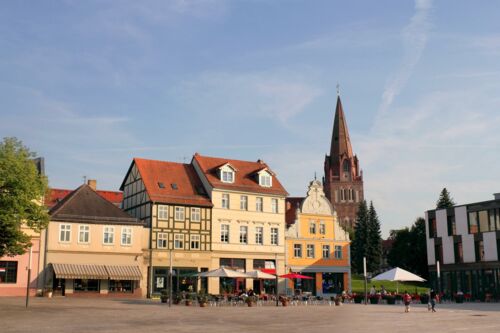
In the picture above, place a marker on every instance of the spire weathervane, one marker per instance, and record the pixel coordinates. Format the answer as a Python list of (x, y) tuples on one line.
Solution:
[(338, 89)]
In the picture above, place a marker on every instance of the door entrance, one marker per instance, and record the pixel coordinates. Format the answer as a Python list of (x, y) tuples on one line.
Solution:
[(59, 286)]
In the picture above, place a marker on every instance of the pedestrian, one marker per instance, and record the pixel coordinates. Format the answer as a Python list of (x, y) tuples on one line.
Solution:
[(433, 300), (407, 301)]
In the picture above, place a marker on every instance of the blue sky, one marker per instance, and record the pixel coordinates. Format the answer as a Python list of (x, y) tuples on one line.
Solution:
[(91, 84)]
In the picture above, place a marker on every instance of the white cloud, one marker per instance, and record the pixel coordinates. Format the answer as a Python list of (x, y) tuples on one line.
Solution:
[(414, 40), (278, 95), (448, 139)]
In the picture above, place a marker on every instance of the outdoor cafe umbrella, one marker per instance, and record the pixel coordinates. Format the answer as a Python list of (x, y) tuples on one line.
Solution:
[(398, 274), (261, 275), (223, 272)]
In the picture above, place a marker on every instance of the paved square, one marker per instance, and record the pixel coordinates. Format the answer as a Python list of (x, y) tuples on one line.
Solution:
[(106, 315)]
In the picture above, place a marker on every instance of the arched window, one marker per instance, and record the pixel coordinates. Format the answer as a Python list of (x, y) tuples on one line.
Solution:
[(346, 166)]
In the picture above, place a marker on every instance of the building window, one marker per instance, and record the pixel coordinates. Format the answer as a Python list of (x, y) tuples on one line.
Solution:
[(338, 252), (179, 214), (297, 250), (459, 254), (322, 228), (162, 240), (243, 234), (473, 225), (312, 227), (84, 234), (265, 179), (259, 231), (227, 176), (438, 252), (8, 271), (274, 236), (259, 204), (195, 242), (326, 251), (244, 202), (224, 233), (162, 212), (127, 236), (195, 214), (65, 233), (274, 205), (452, 227), (179, 241), (310, 250), (225, 201), (483, 221), (479, 249), (492, 221), (109, 235), (432, 228)]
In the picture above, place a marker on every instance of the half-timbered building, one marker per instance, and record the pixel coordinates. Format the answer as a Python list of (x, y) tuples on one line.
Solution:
[(170, 200)]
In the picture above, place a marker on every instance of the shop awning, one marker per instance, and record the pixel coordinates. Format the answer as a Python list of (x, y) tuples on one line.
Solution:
[(124, 272), (73, 271)]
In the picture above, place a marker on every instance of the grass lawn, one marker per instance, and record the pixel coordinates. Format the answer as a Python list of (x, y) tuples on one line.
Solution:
[(358, 285)]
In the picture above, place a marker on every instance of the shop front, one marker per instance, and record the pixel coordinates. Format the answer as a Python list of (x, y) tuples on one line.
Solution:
[(110, 280), (264, 286), (184, 279)]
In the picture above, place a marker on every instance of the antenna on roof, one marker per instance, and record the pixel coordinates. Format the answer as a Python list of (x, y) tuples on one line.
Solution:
[(84, 179), (184, 158), (314, 175)]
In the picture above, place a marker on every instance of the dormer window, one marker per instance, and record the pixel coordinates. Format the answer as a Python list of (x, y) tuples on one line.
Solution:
[(227, 176), (226, 173), (265, 179)]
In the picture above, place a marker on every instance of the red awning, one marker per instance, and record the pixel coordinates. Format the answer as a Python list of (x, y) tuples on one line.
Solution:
[(268, 270)]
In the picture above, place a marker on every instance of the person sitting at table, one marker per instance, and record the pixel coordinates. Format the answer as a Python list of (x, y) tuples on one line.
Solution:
[(373, 291)]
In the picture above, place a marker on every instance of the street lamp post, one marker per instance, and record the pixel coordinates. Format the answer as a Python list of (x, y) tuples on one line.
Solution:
[(276, 271), (29, 278), (170, 281), (366, 282)]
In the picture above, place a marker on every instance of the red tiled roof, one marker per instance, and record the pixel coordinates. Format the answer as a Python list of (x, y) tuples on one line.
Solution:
[(291, 205), (189, 190), (57, 194), (245, 176)]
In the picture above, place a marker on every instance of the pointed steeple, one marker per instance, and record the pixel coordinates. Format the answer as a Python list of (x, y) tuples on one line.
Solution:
[(341, 143)]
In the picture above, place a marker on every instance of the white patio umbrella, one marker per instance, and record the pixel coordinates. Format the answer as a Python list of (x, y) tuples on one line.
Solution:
[(261, 275), (223, 272), (398, 274)]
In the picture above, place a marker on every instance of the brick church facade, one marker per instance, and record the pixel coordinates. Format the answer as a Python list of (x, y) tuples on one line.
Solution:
[(343, 180)]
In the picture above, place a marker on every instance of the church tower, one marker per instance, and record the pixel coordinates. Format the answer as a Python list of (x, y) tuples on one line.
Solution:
[(343, 181)]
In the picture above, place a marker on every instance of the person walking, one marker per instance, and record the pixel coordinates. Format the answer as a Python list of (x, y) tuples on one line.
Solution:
[(433, 300), (407, 301)]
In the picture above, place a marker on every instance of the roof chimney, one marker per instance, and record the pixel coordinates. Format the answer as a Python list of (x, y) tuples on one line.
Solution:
[(92, 183), (497, 196)]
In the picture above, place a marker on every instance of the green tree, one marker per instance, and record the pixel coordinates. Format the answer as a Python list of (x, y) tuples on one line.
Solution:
[(445, 200), (374, 240), (358, 247), (409, 249), (21, 191)]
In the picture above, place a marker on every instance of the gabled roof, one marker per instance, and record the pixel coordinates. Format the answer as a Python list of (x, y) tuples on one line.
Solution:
[(85, 205), (245, 178), (188, 189), (57, 194)]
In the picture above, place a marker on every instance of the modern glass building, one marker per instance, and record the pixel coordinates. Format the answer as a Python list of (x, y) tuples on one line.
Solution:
[(465, 240)]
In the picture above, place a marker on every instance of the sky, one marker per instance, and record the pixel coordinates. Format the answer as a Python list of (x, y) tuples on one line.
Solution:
[(89, 85)]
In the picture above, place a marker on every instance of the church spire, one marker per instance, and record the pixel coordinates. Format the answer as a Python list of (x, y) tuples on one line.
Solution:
[(341, 143)]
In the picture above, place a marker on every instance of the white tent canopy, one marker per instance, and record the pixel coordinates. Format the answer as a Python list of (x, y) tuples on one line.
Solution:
[(223, 272), (398, 274), (260, 275)]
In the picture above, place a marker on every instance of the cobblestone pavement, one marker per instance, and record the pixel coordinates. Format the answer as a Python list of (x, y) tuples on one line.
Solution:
[(119, 315)]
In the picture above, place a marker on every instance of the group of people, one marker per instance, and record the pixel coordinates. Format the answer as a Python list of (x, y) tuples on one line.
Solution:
[(407, 298)]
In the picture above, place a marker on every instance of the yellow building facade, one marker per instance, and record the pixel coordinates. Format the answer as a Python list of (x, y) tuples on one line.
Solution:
[(316, 246)]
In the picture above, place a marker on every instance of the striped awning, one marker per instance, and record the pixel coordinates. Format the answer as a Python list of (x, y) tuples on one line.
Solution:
[(74, 271), (124, 272)]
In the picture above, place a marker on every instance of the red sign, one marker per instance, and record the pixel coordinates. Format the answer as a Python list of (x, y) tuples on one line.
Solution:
[(2, 270)]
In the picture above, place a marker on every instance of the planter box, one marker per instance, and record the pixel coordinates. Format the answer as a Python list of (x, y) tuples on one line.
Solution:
[(358, 300), (391, 300), (373, 300)]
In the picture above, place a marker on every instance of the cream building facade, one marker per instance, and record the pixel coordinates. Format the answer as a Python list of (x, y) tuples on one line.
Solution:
[(248, 220), (91, 247)]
